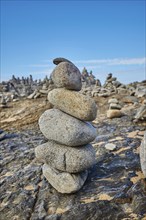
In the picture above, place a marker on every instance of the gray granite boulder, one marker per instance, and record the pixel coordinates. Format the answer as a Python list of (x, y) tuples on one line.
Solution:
[(143, 155), (64, 182), (67, 75), (64, 158), (73, 103), (65, 129)]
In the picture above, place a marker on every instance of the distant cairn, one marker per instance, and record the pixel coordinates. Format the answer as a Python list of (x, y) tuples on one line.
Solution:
[(67, 155)]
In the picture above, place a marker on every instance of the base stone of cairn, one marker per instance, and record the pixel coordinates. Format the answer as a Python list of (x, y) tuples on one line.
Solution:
[(67, 155)]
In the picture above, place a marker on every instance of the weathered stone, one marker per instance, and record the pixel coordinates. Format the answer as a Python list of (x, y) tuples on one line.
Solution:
[(114, 113), (64, 158), (64, 182), (58, 60), (67, 75), (73, 103), (65, 129), (143, 155)]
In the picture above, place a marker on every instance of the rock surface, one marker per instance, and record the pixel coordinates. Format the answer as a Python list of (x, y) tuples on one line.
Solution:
[(73, 103), (64, 182), (67, 75), (143, 154), (65, 129), (64, 158)]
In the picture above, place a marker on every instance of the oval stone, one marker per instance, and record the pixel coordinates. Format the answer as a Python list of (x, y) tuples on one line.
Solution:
[(65, 129), (58, 60), (64, 158), (67, 75), (64, 182), (73, 103)]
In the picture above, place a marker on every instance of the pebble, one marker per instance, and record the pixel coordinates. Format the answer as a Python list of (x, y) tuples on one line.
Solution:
[(110, 146)]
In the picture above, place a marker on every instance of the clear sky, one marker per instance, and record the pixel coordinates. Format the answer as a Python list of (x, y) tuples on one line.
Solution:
[(104, 36)]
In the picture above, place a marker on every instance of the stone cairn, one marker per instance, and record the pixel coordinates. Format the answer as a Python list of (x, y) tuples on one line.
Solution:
[(67, 155), (114, 108)]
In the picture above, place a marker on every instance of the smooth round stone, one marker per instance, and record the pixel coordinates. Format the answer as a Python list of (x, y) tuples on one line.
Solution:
[(67, 75), (114, 113), (64, 158), (64, 182), (65, 129), (110, 146), (143, 155), (73, 103), (58, 60)]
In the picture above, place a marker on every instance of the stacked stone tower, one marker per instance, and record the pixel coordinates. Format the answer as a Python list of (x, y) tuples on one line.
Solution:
[(67, 155)]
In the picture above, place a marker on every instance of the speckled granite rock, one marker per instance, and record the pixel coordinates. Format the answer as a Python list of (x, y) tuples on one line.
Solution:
[(73, 103), (64, 158), (67, 75), (64, 182), (65, 129)]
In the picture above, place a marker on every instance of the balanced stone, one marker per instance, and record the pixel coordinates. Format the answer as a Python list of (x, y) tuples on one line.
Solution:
[(113, 100), (64, 182), (67, 75), (58, 60), (65, 129), (115, 106), (73, 103), (64, 158), (143, 155)]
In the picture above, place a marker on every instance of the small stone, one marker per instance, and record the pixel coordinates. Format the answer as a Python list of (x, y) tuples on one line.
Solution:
[(58, 60), (115, 106), (113, 100), (65, 129), (114, 113), (67, 75), (73, 103), (64, 158), (143, 155), (110, 146), (64, 182)]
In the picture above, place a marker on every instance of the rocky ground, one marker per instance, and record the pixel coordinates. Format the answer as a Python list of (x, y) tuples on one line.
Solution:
[(115, 188)]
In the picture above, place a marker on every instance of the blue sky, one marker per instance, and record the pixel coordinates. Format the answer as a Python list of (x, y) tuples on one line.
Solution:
[(104, 36)]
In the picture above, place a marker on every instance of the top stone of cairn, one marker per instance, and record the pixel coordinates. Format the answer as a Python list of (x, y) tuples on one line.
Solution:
[(66, 75)]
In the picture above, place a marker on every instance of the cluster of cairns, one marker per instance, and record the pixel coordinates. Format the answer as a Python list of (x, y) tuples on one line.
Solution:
[(67, 155), (114, 108)]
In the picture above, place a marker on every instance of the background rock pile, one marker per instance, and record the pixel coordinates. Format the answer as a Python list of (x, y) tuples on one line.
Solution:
[(67, 154)]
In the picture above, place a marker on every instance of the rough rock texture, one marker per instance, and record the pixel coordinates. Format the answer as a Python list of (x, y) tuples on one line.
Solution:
[(143, 154), (113, 113), (64, 158), (73, 103), (64, 182), (67, 75), (65, 129)]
